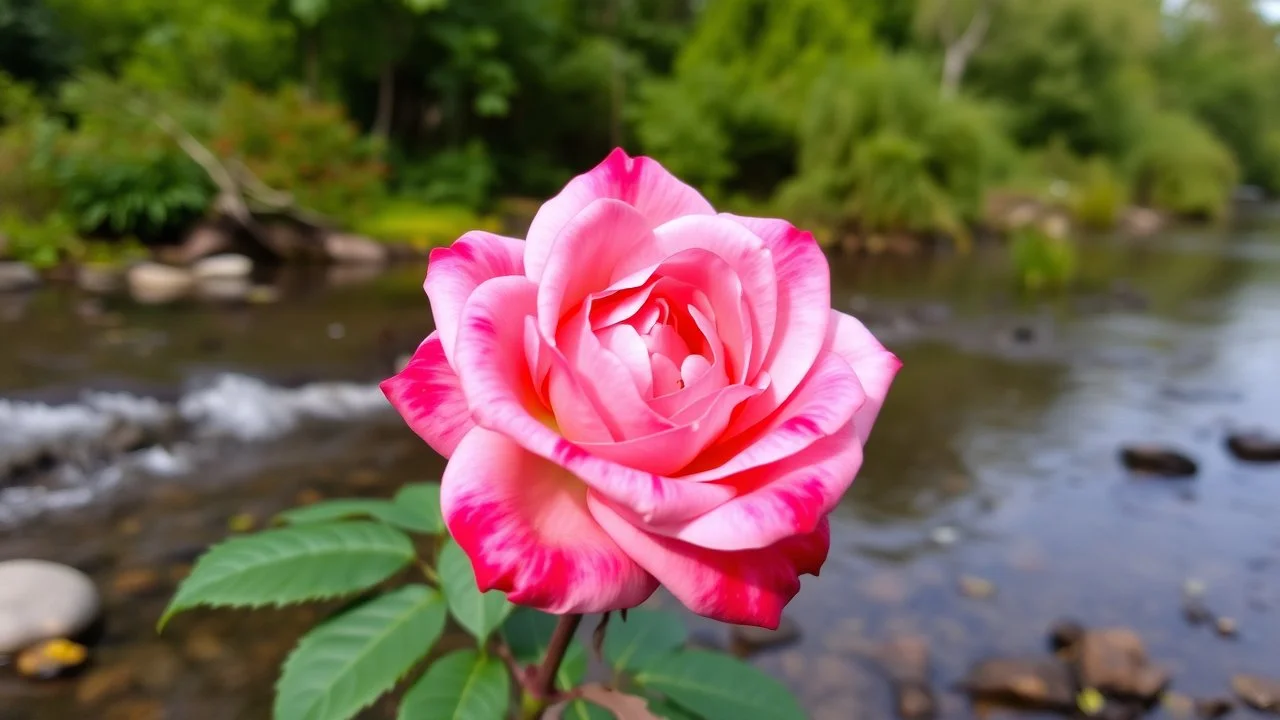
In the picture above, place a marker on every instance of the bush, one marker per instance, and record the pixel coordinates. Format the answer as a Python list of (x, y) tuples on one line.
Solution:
[(459, 176), (310, 149), (1043, 261), (1098, 196), (41, 243), (422, 226), (882, 150), (1181, 168), (28, 141)]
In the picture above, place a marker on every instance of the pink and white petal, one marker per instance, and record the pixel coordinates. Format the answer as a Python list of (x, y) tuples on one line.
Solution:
[(640, 182), (747, 587), (428, 396), (875, 366), (584, 255), (577, 417), (824, 404), (777, 501), (809, 552), (454, 272), (524, 523), (666, 376), (494, 376), (623, 341), (669, 451), (804, 305)]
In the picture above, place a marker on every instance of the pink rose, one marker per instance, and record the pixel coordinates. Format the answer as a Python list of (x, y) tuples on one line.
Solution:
[(642, 392)]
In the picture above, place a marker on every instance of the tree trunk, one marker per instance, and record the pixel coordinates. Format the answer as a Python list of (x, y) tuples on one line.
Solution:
[(386, 101), (959, 52)]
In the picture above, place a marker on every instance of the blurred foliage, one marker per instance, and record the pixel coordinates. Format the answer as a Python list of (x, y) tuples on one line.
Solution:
[(43, 243), (1043, 261), (424, 226), (883, 151), (830, 109)]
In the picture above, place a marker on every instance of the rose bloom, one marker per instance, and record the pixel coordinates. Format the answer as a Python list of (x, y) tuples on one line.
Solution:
[(642, 392)]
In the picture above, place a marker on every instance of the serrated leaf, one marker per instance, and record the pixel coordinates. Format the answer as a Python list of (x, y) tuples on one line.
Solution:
[(422, 500), (479, 613), (387, 511), (307, 562), (645, 635), (463, 685), (527, 634), (348, 662), (719, 687)]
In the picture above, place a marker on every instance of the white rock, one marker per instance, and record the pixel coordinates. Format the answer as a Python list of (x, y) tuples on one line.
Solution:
[(227, 265), (354, 250), (155, 283), (17, 276), (42, 600)]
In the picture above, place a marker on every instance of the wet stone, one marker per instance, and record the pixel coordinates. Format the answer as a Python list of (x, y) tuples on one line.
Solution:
[(1043, 683), (103, 684), (1214, 707), (975, 587), (1114, 661), (747, 639), (136, 582), (1257, 692), (1065, 636), (1254, 447), (203, 646), (1195, 611), (51, 659), (42, 600), (1157, 460), (134, 709), (906, 660), (1226, 627)]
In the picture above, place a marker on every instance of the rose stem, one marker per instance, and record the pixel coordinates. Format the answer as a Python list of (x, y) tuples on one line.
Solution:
[(545, 681)]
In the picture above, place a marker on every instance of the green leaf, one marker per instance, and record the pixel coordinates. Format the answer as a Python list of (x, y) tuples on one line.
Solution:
[(583, 710), (719, 687), (478, 612), (346, 663), (463, 685), (670, 711), (646, 635), (422, 6), (389, 512), (422, 500), (293, 564), (527, 634)]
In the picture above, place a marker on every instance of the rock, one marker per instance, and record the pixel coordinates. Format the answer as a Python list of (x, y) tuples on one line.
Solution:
[(1114, 661), (224, 289), (1226, 627), (203, 646), (16, 276), (99, 278), (1195, 611), (154, 283), (51, 659), (1065, 636), (975, 587), (1157, 460), (227, 265), (104, 683), (1141, 222), (1214, 707), (205, 239), (136, 582), (1254, 447), (748, 639), (944, 535), (1257, 692), (1043, 683), (906, 660), (354, 250), (42, 600)]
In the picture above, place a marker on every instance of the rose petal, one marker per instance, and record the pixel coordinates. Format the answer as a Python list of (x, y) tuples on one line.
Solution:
[(804, 307), (640, 182), (584, 256), (525, 525), (876, 367), (747, 587), (624, 342), (824, 403), (777, 501), (454, 272), (429, 398), (494, 376)]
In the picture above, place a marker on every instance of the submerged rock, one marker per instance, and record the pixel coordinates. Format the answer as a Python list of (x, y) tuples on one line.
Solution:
[(226, 265), (41, 601), (17, 276), (747, 639), (51, 659), (1065, 636), (906, 660), (975, 587), (1214, 707), (1114, 661), (1041, 683), (1157, 460), (1257, 692), (154, 283), (1254, 447)]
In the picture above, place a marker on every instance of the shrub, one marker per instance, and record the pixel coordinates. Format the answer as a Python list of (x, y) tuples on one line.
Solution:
[(307, 148), (41, 243), (1043, 261), (1098, 196), (458, 176), (1181, 168), (882, 150), (28, 139), (423, 226)]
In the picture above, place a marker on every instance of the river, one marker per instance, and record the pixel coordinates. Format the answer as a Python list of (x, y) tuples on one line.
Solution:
[(996, 457)]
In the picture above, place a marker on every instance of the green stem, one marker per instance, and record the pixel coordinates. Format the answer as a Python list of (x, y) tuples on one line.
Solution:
[(538, 697)]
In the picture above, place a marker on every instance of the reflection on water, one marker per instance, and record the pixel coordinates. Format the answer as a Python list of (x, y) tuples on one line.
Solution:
[(995, 457)]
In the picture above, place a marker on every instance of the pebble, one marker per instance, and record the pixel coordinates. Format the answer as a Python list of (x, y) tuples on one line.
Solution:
[(1254, 447), (224, 266), (975, 587), (136, 582), (42, 600), (134, 709), (1114, 661), (51, 659), (104, 683), (1157, 460), (1043, 683), (944, 535), (17, 276), (203, 646), (1226, 627), (748, 639), (1215, 707), (155, 283), (1065, 636), (1257, 692)]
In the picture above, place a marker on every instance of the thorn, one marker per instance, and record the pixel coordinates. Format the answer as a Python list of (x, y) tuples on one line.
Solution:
[(597, 637)]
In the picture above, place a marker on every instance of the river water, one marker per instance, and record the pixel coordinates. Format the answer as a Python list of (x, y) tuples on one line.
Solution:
[(994, 458)]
